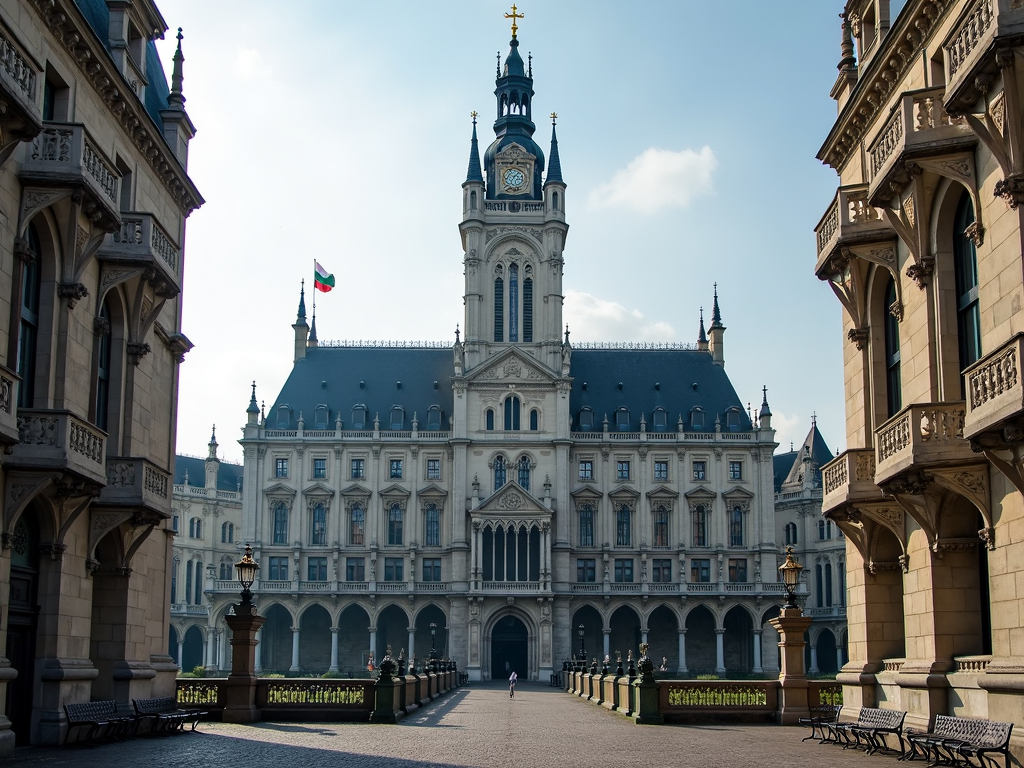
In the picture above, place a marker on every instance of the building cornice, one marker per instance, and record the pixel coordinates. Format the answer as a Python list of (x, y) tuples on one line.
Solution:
[(67, 24)]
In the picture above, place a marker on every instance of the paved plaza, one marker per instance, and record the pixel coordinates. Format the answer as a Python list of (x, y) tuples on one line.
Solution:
[(473, 726)]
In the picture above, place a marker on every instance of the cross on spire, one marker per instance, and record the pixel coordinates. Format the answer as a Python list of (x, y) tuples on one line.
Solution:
[(554, 117), (473, 114), (514, 16)]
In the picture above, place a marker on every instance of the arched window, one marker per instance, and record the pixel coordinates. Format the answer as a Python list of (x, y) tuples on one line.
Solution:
[(359, 417), (28, 331), (791, 536), (433, 526), (397, 420), (841, 576), (821, 530), (586, 419), (513, 302), (554, 201), (284, 416), (828, 585), (188, 582), (512, 413), (227, 533), (622, 419), (586, 525), (523, 468), (622, 526), (700, 526), (321, 416), (894, 394), (736, 527), (174, 580), (696, 418), (500, 473), (965, 266), (356, 525), (732, 419), (499, 308), (395, 525), (472, 200), (199, 583), (280, 523), (195, 528), (528, 307), (225, 571), (660, 526), (659, 419), (489, 418), (534, 420), (434, 418), (819, 584), (318, 528), (103, 369)]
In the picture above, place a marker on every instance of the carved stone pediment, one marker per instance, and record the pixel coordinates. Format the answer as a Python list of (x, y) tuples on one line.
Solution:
[(511, 499), (395, 490), (432, 492), (355, 490), (662, 492), (585, 493), (318, 490), (514, 152), (700, 494), (279, 491), (512, 367)]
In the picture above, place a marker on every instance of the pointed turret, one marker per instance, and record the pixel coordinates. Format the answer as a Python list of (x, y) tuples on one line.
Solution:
[(717, 340), (300, 327), (765, 416), (554, 164), (313, 341), (175, 99), (178, 129), (554, 187), (212, 462), (474, 174), (806, 469), (702, 336), (253, 411)]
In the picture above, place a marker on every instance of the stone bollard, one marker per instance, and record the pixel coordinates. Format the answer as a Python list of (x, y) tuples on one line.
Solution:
[(386, 692), (240, 692), (646, 688)]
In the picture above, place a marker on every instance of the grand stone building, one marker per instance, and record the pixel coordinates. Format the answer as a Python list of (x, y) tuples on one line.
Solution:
[(922, 245), (93, 200), (495, 496)]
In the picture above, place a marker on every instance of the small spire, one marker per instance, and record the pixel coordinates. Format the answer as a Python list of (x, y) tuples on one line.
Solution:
[(848, 61), (213, 444), (765, 410), (213, 435), (497, 69), (554, 164), (814, 419), (566, 333), (302, 302), (313, 341), (716, 313), (175, 99), (253, 408), (529, 60), (702, 337), (456, 333), (474, 173)]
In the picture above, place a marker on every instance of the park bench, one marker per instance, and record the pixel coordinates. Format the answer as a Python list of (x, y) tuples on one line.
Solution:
[(869, 729), (820, 717), (101, 720), (957, 739), (165, 715)]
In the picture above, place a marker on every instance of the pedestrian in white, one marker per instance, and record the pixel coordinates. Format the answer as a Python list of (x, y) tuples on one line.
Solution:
[(512, 685)]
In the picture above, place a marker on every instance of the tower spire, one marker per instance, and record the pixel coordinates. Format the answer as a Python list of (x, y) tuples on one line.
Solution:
[(175, 99), (302, 302), (702, 336), (716, 313), (474, 173), (554, 164)]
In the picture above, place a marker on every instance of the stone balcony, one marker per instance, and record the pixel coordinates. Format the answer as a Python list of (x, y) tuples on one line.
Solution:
[(59, 441), (995, 396), (63, 155), (142, 241), (8, 406), (918, 128), (969, 50), (850, 221), (19, 77), (136, 483), (848, 479), (920, 437), (827, 613)]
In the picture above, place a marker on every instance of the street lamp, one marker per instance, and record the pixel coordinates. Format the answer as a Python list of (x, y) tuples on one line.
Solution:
[(790, 577), (433, 651), (246, 569), (583, 650)]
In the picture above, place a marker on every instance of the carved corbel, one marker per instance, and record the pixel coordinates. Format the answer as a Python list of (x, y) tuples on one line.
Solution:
[(972, 483), (73, 292)]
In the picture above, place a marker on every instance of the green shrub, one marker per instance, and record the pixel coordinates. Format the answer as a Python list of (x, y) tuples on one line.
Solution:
[(331, 676), (707, 677), (199, 671), (186, 675), (272, 674)]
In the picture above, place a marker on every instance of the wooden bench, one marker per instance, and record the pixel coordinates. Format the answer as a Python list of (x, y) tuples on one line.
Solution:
[(869, 729), (820, 717), (101, 719), (957, 739), (165, 715)]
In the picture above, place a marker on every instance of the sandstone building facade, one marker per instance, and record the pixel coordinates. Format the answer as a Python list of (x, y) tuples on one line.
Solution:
[(94, 195), (922, 246)]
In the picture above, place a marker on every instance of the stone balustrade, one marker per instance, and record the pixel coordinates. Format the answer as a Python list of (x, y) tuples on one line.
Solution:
[(57, 440), (920, 436), (848, 478), (136, 482), (142, 240), (995, 392)]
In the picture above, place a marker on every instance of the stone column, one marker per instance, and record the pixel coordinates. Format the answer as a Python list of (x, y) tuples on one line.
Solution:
[(295, 650), (411, 652), (334, 650), (259, 651), (814, 660), (839, 656), (373, 644), (757, 652), (719, 651), (181, 651), (7, 673), (682, 670), (791, 625), (240, 692), (607, 640), (643, 636), (211, 660)]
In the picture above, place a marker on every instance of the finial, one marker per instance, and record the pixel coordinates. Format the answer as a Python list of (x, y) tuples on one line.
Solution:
[(175, 99), (473, 114), (529, 59), (702, 335), (252, 406), (213, 436), (554, 117), (456, 333), (764, 389), (497, 69), (849, 60), (263, 410), (814, 419), (566, 333), (514, 16)]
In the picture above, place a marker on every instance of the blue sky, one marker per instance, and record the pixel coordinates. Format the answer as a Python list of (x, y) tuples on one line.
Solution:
[(340, 131)]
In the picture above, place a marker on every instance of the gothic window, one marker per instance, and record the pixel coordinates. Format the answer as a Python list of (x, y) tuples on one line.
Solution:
[(433, 526), (696, 418), (586, 419), (528, 307), (736, 527), (318, 528), (199, 583), (397, 417), (320, 417), (227, 533), (500, 476), (700, 526), (356, 525), (359, 417), (29, 327), (586, 525), (512, 409), (622, 419), (523, 468), (791, 536), (534, 420), (965, 263), (499, 308), (828, 585), (434, 418), (513, 302), (280, 523), (819, 584), (659, 419), (188, 582), (894, 394), (660, 526), (225, 571), (103, 368), (195, 528), (622, 526), (174, 581), (489, 418), (395, 525)]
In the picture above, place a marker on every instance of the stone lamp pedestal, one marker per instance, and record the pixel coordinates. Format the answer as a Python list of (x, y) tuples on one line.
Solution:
[(240, 694), (793, 702)]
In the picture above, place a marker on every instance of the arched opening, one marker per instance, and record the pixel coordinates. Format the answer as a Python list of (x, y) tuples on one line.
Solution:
[(770, 642), (625, 636), (825, 651), (314, 640), (431, 638), (172, 642), (276, 640), (509, 648), (353, 641), (663, 638), (738, 642), (965, 269), (701, 656), (192, 650), (393, 630), (22, 619), (511, 553), (591, 644)]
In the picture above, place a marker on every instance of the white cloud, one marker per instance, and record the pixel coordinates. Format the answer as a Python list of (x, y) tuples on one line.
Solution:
[(249, 62), (658, 179), (594, 319), (789, 429)]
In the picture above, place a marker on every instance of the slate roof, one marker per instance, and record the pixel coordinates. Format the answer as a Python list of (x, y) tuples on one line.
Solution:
[(228, 478), (781, 464), (813, 447)]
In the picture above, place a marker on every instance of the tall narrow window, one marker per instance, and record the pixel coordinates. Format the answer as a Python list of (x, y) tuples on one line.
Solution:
[(318, 530), (524, 473), (395, 525), (534, 420), (356, 525), (280, 523), (174, 581), (188, 582), (828, 585), (622, 527), (499, 309), (500, 475), (103, 368), (586, 525), (490, 420), (894, 394), (700, 526), (433, 527), (359, 417), (512, 409), (965, 263), (661, 526), (513, 302), (199, 583), (528, 309), (736, 527), (29, 329), (819, 586)]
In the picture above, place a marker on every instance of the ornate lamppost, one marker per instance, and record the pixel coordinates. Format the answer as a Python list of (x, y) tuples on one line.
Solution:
[(790, 571), (433, 650), (583, 650), (240, 692), (791, 625)]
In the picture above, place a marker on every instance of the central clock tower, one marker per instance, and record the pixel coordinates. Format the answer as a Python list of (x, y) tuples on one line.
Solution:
[(513, 231)]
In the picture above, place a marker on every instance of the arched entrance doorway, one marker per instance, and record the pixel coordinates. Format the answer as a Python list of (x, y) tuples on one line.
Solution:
[(509, 644), (22, 617)]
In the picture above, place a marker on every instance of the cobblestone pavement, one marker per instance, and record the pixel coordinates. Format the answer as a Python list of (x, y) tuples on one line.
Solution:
[(473, 726)]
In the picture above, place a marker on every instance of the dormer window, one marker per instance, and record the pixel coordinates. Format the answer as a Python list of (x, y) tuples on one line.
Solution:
[(622, 419), (321, 417), (732, 419), (696, 418), (397, 420), (660, 419), (586, 419), (434, 418), (284, 416), (359, 417)]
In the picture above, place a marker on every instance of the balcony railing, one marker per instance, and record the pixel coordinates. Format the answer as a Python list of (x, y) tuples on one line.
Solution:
[(919, 436), (828, 612), (849, 220), (136, 482), (969, 49), (64, 154), (18, 81), (59, 441), (142, 240), (918, 127), (189, 610), (995, 392), (849, 477)]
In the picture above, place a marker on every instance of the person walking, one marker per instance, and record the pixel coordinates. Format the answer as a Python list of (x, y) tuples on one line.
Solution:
[(512, 684)]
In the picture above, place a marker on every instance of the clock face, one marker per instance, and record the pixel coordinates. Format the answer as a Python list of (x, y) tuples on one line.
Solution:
[(513, 179)]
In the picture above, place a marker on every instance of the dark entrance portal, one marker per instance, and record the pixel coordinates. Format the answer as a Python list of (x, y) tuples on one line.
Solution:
[(22, 618), (508, 644)]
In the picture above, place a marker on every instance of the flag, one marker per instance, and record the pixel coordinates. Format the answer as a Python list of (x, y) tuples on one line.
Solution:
[(321, 280)]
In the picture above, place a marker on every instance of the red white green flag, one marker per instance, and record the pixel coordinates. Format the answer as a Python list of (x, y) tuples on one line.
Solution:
[(321, 280)]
